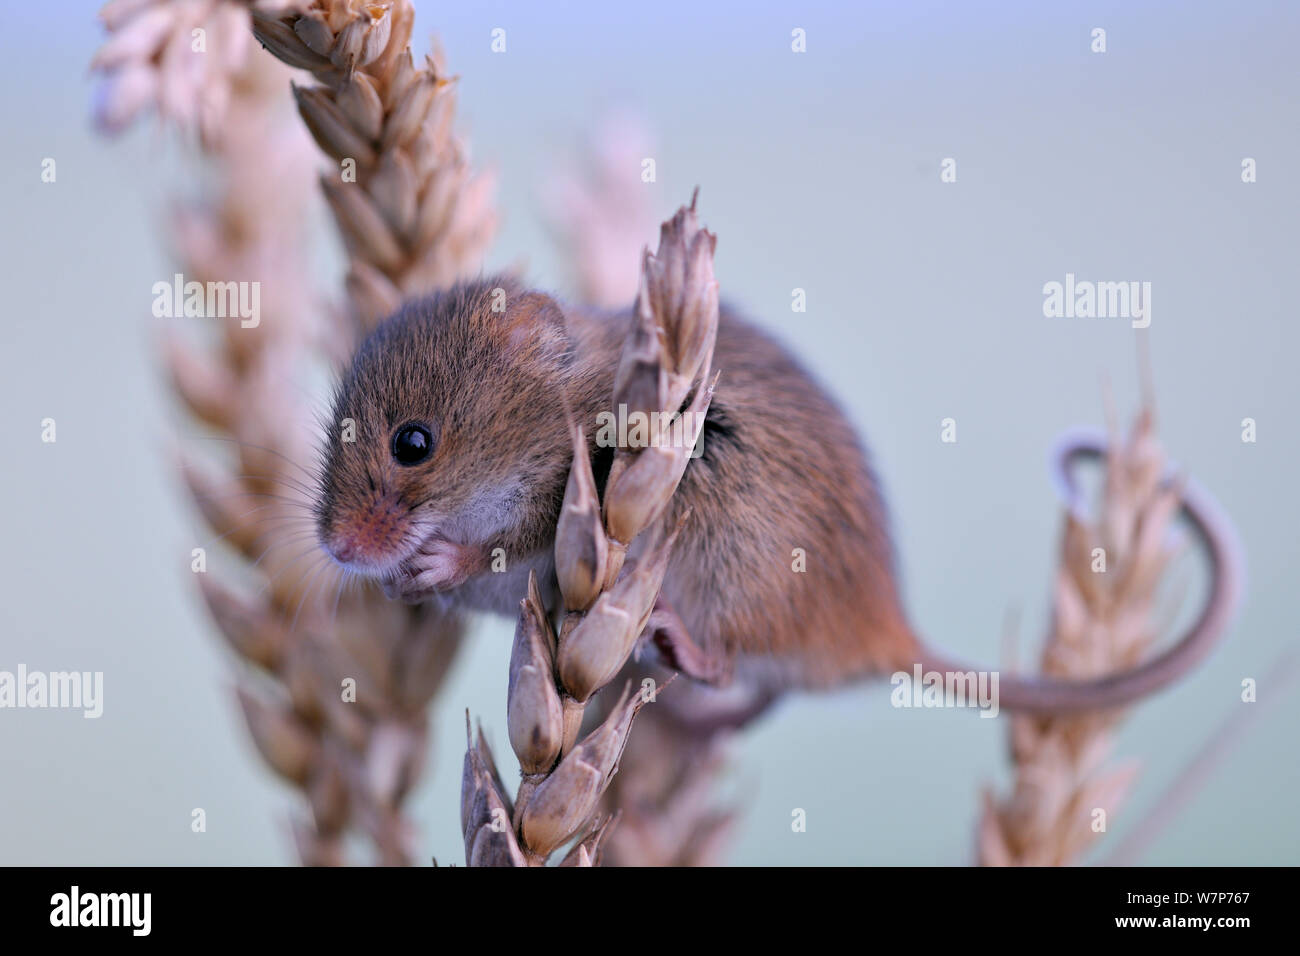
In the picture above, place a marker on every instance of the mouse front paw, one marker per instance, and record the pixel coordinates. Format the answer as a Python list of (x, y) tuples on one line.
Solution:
[(438, 565)]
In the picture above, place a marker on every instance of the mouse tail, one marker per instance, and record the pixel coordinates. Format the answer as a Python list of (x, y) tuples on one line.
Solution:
[(1214, 531)]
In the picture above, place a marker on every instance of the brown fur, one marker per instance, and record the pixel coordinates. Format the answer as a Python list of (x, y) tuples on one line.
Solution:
[(781, 469)]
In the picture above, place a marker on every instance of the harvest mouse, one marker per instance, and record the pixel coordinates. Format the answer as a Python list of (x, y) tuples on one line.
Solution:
[(453, 486)]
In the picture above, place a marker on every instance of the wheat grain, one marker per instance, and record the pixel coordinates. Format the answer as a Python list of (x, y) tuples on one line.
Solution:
[(177, 59)]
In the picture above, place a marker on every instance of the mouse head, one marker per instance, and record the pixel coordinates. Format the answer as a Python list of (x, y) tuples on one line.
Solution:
[(449, 424)]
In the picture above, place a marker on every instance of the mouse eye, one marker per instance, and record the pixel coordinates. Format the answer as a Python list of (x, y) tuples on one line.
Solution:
[(412, 444)]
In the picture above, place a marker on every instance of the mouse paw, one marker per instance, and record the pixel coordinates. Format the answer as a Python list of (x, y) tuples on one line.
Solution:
[(666, 638), (438, 565)]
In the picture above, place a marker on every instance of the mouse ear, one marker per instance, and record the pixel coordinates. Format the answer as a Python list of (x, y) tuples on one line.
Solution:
[(533, 323)]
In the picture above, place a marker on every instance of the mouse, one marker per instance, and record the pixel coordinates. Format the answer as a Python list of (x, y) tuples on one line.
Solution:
[(451, 485)]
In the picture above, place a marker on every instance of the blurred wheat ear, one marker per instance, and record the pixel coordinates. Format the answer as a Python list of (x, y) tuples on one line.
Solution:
[(1103, 622), (337, 687)]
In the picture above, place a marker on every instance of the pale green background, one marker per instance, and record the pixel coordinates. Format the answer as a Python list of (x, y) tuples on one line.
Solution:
[(819, 171)]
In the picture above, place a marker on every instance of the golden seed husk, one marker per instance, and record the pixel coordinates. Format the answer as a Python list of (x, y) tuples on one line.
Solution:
[(368, 235), (564, 801), (314, 32), (333, 130), (598, 646), (532, 701), (287, 745), (286, 45), (481, 792), (581, 549), (637, 492), (360, 103)]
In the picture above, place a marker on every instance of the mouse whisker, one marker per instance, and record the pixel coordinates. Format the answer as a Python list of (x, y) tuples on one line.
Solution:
[(279, 542), (276, 521), (288, 480), (273, 523), (272, 580), (271, 547), (283, 499), (320, 566), (270, 451), (343, 581)]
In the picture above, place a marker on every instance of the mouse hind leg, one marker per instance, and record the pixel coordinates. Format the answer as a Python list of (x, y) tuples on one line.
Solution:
[(668, 642)]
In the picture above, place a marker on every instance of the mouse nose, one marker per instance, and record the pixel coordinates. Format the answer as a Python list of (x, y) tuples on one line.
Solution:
[(368, 539), (343, 549)]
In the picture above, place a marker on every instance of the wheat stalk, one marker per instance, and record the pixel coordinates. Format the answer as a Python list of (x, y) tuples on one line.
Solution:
[(607, 597), (355, 756), (1102, 623)]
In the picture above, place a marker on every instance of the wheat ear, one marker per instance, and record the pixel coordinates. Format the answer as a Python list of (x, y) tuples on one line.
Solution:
[(665, 790), (355, 751), (150, 63), (1102, 623), (666, 359), (412, 212)]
